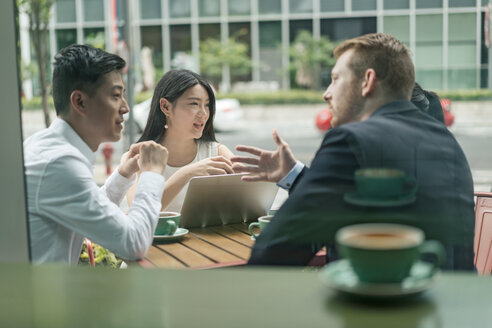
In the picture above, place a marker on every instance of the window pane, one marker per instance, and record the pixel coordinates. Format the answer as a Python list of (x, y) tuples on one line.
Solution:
[(428, 4), (332, 5), (150, 9), (209, 31), (208, 8), (300, 6), (239, 7), (95, 37), (93, 10), (462, 54), (65, 11), (270, 7), (64, 38), (181, 46), (179, 8), (462, 79), (429, 28), (462, 27), (396, 4), (241, 32), (295, 26), (270, 51), (151, 36), (364, 5), (430, 79), (485, 3), (428, 55), (345, 28), (461, 3), (398, 26)]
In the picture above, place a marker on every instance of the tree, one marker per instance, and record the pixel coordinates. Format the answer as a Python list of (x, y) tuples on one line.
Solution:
[(309, 56), (214, 54), (39, 12)]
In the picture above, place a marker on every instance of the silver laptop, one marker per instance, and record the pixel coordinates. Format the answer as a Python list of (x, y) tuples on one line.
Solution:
[(225, 199)]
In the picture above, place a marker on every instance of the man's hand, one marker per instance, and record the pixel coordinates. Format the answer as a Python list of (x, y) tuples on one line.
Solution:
[(153, 157), (129, 162), (269, 165)]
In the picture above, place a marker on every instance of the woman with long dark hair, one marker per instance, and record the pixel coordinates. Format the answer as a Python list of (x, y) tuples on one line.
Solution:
[(181, 119)]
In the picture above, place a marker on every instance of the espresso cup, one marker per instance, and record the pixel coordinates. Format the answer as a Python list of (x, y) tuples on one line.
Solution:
[(168, 223), (383, 183), (385, 253), (262, 223)]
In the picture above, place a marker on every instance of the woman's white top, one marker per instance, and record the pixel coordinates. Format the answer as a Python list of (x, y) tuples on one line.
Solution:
[(205, 149)]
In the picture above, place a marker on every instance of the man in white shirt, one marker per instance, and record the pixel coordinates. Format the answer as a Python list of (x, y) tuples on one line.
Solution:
[(64, 202)]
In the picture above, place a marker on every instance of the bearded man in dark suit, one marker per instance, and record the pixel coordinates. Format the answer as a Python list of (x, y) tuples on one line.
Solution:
[(374, 125)]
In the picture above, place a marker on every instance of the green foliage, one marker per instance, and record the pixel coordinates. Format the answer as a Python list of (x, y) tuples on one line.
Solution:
[(474, 94), (97, 40), (40, 10), (309, 56), (102, 257), (214, 54)]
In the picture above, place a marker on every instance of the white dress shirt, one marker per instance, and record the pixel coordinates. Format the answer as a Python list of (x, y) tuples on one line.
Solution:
[(65, 204)]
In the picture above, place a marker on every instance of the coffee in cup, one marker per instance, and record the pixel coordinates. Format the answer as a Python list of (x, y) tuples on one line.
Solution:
[(262, 223), (385, 253), (381, 183), (167, 224)]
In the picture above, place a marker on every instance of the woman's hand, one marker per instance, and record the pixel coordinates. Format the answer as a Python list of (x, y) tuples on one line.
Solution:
[(209, 166)]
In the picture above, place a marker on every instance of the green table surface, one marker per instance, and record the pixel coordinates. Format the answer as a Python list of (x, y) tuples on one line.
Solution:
[(56, 296)]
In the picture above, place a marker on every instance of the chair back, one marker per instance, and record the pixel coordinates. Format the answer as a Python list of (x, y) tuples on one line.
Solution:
[(482, 245)]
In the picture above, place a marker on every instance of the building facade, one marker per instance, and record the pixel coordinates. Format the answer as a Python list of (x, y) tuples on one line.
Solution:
[(446, 37)]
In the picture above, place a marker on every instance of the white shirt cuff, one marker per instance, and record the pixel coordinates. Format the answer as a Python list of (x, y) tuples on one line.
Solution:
[(287, 181)]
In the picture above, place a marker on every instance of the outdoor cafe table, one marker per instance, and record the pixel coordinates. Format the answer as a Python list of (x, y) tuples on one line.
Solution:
[(59, 296), (202, 248)]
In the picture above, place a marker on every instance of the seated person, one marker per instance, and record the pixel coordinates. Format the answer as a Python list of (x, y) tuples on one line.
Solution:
[(427, 101), (374, 124), (181, 119), (64, 202)]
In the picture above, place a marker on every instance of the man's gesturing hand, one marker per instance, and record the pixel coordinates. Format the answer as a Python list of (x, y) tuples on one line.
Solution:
[(153, 157), (267, 165)]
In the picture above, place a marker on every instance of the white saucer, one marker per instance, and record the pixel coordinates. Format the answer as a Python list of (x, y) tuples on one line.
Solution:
[(339, 276), (356, 199), (180, 232)]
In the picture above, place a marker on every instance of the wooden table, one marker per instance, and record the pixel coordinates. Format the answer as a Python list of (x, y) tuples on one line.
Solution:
[(58, 296), (203, 248)]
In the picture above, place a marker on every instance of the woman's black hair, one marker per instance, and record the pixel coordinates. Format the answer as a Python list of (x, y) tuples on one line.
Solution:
[(171, 86)]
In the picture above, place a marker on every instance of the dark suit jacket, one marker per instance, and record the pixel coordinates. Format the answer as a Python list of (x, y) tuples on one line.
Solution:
[(397, 135)]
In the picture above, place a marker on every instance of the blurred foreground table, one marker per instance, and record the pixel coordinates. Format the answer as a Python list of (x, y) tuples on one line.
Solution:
[(203, 248), (55, 296)]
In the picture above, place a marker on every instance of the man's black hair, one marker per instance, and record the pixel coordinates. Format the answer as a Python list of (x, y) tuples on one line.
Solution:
[(80, 67)]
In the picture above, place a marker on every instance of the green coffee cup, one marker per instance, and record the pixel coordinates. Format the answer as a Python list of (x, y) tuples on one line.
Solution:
[(385, 253), (383, 183), (262, 223), (168, 223)]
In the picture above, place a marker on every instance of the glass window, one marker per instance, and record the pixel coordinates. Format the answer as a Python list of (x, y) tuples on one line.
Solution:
[(428, 52), (396, 4), (462, 39), (151, 36), (485, 2), (332, 5), (179, 8), (239, 7), (270, 51), (209, 8), (364, 5), (93, 10), (340, 29), (65, 11), (461, 3), (428, 28), (241, 32), (209, 31), (430, 79), (150, 9), (181, 46), (65, 37), (270, 7), (428, 4), (95, 37), (462, 79), (300, 6), (295, 26), (398, 26)]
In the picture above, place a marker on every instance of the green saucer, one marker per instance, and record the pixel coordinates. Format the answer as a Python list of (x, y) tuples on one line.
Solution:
[(180, 232), (355, 198), (339, 276)]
